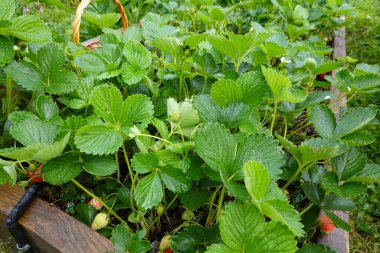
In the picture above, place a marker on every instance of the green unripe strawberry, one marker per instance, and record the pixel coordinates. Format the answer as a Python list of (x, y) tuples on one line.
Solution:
[(101, 221), (188, 215), (166, 242), (160, 210)]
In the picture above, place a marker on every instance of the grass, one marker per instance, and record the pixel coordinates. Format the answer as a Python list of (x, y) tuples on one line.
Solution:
[(5, 248), (363, 40), (365, 221)]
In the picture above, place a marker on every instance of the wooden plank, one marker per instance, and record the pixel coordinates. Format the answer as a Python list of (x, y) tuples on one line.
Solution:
[(50, 229), (338, 239)]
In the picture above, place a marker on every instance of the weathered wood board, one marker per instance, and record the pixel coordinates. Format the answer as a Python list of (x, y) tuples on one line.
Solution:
[(50, 229), (338, 239)]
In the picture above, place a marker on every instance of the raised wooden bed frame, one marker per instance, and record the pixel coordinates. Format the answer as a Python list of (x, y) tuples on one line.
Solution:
[(49, 229)]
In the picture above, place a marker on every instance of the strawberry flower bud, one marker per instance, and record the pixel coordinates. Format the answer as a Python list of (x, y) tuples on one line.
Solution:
[(310, 63)]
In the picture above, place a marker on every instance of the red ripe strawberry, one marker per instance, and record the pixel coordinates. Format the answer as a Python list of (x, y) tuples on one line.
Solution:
[(35, 177), (322, 76), (168, 251), (326, 224)]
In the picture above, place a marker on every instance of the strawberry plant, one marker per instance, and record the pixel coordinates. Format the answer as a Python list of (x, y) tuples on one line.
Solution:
[(207, 127)]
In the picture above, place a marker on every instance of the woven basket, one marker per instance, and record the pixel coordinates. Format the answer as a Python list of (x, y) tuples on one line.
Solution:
[(93, 43)]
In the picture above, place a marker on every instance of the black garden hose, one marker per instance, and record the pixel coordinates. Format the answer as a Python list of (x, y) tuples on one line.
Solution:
[(16, 213)]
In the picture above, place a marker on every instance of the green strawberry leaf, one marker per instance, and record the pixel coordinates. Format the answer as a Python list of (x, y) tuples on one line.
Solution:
[(8, 174), (206, 62), (30, 132), (359, 138), (98, 139), (120, 116), (137, 110), (99, 165), (236, 46), (46, 108), (47, 152), (22, 154), (327, 67), (7, 9), (40, 152), (188, 200), (253, 87), (272, 49), (170, 45), (155, 26), (263, 149), (195, 239), (349, 163), (282, 211), (144, 163), (224, 92), (331, 183), (28, 28), (107, 101), (86, 213), (6, 49), (18, 116), (218, 248), (149, 191), (105, 20), (281, 86), (125, 241), (239, 223), (290, 147), (207, 109), (315, 248), (335, 202), (256, 179), (46, 74), (230, 116), (102, 62), (174, 179), (243, 229), (353, 120), (324, 120), (314, 98), (216, 146), (316, 149), (366, 83), (62, 169), (138, 62), (234, 115), (370, 174)]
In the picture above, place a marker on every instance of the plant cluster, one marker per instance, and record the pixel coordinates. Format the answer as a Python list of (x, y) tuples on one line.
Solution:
[(209, 122)]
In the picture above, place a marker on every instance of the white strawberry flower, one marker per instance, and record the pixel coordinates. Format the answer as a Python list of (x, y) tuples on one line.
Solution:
[(134, 132), (285, 60)]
